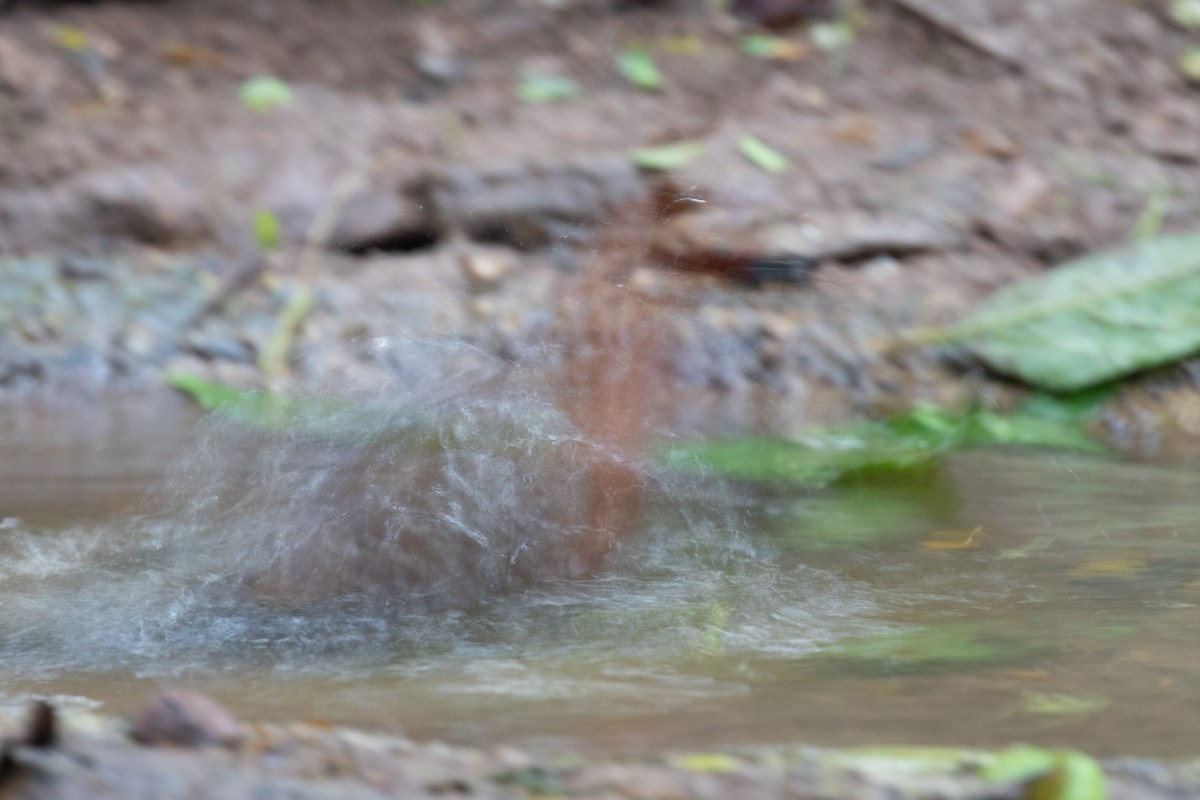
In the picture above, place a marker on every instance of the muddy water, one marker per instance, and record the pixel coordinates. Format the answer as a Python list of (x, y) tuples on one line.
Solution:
[(1008, 597)]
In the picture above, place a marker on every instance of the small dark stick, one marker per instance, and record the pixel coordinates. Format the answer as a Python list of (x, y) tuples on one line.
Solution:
[(41, 733), (42, 730)]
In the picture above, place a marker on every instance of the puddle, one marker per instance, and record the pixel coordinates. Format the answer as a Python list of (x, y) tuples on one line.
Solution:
[(1008, 597)]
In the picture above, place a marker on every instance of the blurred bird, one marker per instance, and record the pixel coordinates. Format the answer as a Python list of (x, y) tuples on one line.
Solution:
[(677, 244), (778, 14)]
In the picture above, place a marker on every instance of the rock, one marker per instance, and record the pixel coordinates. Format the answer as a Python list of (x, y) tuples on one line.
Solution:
[(376, 215), (77, 267), (435, 58), (218, 343), (149, 203), (854, 238), (186, 719), (486, 269), (907, 153), (528, 204)]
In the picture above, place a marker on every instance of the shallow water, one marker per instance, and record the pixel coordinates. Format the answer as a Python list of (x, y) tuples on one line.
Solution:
[(1008, 597)]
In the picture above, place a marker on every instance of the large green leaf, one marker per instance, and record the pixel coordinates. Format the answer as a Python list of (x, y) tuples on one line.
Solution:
[(1093, 320), (822, 456)]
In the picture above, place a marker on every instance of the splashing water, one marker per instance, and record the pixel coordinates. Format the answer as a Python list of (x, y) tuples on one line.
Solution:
[(364, 543)]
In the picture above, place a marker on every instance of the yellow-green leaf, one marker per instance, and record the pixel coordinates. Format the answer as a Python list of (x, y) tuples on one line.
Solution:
[(705, 762), (639, 68), (548, 89), (830, 36), (264, 93), (774, 48), (1189, 64), (1075, 776), (1186, 13), (667, 157), (266, 229), (72, 39), (762, 156), (1062, 704)]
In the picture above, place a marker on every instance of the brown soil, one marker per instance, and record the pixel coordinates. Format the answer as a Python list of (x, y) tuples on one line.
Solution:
[(949, 149)]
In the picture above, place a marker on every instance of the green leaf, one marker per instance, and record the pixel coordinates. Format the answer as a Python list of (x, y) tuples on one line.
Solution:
[(72, 39), (1186, 13), (1077, 407), (830, 36), (264, 93), (1062, 704), (365, 422), (1189, 64), (266, 229), (273, 358), (686, 44), (904, 759), (667, 157), (773, 48), (762, 156), (1051, 774), (1092, 320), (863, 515), (317, 417), (819, 458), (705, 762), (1018, 763), (263, 410), (1027, 429), (548, 89), (639, 69), (822, 456), (1075, 776), (954, 646)]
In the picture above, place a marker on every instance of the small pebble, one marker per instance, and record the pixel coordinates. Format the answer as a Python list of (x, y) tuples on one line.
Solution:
[(485, 270), (186, 719)]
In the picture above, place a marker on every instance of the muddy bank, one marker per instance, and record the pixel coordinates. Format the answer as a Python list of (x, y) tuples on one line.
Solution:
[(93, 757), (936, 157)]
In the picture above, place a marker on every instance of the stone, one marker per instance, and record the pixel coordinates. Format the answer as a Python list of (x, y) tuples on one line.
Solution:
[(148, 203), (527, 204), (185, 718), (486, 269), (376, 214), (859, 237)]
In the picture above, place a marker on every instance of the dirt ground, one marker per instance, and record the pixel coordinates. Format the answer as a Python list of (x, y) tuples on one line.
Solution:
[(949, 148), (92, 757)]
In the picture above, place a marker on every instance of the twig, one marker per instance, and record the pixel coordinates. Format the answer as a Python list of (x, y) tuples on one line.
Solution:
[(273, 360), (242, 277)]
